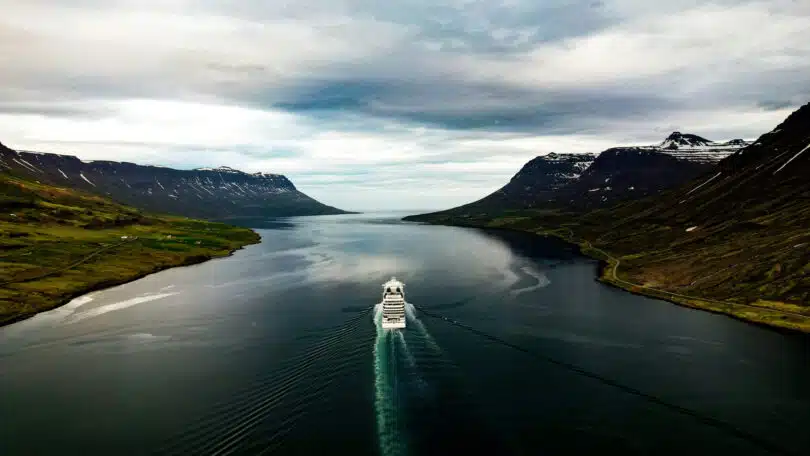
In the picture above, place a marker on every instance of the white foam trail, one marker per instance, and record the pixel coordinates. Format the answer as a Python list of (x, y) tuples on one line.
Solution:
[(411, 361), (56, 315), (541, 278), (388, 432), (414, 321), (78, 302), (66, 310), (95, 312), (405, 350)]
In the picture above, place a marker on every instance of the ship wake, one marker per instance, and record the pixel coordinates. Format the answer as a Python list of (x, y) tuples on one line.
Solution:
[(386, 400)]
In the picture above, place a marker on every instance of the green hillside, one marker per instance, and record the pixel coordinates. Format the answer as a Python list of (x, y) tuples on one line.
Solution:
[(734, 241), (57, 243)]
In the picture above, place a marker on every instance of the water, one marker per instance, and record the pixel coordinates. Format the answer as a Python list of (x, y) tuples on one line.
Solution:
[(275, 350)]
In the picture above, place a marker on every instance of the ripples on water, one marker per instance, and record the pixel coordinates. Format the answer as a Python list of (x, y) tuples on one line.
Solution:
[(272, 351), (414, 381), (261, 416)]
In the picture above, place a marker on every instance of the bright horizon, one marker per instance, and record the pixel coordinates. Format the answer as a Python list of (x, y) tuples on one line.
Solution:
[(370, 107)]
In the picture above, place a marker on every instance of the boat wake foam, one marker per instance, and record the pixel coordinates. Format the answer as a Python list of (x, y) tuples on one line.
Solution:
[(386, 401)]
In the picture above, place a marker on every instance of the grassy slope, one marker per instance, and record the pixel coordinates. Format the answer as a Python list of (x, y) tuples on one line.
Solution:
[(734, 241), (57, 243), (752, 274)]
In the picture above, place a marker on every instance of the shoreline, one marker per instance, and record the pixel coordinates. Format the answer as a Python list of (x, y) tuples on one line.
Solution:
[(190, 260), (750, 314)]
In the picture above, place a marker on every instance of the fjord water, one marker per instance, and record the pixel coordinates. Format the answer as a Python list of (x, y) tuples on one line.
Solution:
[(275, 351)]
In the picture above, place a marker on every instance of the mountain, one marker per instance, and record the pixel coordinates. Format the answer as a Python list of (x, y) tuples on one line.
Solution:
[(211, 193), (738, 233), (695, 148), (57, 243), (586, 181), (536, 181), (677, 140), (734, 240), (626, 173)]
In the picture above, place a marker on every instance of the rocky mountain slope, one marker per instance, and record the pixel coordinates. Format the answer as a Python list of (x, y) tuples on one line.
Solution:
[(628, 173), (536, 182), (212, 193), (734, 240), (586, 181), (740, 231)]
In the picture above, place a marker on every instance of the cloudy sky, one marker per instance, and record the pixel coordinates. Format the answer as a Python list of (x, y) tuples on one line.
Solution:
[(406, 104)]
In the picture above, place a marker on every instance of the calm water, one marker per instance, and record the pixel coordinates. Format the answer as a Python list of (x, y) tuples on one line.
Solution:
[(275, 350)]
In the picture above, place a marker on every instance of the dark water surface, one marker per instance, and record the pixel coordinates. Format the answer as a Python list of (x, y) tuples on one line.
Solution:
[(275, 351)]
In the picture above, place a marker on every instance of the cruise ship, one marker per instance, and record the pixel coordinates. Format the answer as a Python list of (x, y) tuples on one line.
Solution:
[(393, 304)]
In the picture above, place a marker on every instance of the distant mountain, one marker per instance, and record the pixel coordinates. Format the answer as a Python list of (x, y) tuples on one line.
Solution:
[(58, 243), (677, 140), (211, 193), (585, 181), (695, 148), (536, 181)]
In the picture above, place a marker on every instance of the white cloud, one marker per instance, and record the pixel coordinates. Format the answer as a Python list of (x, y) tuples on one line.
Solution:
[(703, 38), (186, 83)]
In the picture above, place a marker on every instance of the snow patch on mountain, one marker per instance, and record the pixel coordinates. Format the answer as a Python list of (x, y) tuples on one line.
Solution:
[(86, 179), (686, 146), (701, 185), (792, 158)]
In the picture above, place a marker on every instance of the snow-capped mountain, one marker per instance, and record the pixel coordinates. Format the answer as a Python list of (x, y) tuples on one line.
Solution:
[(624, 173), (678, 140), (221, 193), (537, 180), (737, 231), (617, 174), (687, 146)]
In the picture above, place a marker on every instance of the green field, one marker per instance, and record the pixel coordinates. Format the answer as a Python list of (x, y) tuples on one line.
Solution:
[(58, 243)]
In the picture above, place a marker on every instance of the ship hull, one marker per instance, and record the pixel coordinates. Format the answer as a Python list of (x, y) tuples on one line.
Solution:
[(393, 324)]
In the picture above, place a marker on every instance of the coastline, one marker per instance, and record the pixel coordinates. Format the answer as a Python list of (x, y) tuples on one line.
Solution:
[(191, 259), (770, 317)]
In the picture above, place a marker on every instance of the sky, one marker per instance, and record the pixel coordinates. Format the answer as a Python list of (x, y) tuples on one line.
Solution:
[(403, 104)]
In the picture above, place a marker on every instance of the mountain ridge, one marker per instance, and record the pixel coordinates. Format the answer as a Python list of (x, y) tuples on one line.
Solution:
[(586, 181), (222, 193), (733, 240)]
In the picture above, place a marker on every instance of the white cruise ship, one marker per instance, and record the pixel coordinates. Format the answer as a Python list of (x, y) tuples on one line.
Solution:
[(393, 304)]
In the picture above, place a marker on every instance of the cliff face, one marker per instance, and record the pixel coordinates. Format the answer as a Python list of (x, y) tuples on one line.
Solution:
[(211, 193)]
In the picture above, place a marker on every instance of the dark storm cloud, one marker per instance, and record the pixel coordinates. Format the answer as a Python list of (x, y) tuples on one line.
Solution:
[(774, 104), (472, 107)]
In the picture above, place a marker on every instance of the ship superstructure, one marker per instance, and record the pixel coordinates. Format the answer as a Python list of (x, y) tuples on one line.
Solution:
[(393, 304)]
